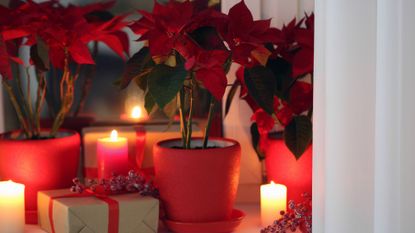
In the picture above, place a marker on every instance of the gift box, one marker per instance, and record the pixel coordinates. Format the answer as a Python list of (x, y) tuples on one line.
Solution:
[(61, 211), (140, 143)]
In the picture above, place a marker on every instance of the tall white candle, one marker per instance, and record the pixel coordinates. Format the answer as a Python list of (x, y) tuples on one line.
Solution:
[(12, 212), (273, 201)]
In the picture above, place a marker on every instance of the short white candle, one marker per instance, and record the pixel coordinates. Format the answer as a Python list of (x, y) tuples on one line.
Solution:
[(273, 201), (12, 212)]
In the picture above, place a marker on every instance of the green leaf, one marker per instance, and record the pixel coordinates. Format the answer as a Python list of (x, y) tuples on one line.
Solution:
[(39, 55), (164, 82), (149, 103), (208, 38), (282, 72), (136, 67), (171, 108), (255, 141), (261, 83), (298, 134), (230, 96)]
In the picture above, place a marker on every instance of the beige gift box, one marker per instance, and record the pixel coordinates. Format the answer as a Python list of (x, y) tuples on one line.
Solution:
[(137, 214)]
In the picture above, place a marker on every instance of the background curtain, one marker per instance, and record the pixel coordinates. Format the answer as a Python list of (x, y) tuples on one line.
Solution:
[(364, 127)]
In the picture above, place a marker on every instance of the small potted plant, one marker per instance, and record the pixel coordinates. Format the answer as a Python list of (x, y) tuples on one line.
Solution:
[(281, 95), (56, 36), (189, 48)]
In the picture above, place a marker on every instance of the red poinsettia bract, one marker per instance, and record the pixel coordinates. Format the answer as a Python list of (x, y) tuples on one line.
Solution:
[(208, 68), (65, 31), (244, 34)]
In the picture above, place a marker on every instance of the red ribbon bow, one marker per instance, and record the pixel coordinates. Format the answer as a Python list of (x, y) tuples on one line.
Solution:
[(113, 207)]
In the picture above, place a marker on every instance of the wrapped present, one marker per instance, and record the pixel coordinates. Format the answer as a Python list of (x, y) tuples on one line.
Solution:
[(61, 211), (140, 143)]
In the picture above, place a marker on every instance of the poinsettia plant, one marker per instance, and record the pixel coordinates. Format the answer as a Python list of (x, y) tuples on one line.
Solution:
[(188, 48), (58, 37), (280, 91)]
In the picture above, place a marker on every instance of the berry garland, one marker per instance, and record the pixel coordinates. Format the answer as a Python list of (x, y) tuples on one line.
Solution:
[(134, 182), (298, 216)]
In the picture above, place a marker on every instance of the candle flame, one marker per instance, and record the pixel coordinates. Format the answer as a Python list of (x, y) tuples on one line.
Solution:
[(272, 182), (136, 112), (114, 135), (11, 188)]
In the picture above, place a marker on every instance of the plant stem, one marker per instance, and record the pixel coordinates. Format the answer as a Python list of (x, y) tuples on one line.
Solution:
[(209, 121), (67, 96), (22, 97), (17, 108), (180, 100), (89, 76), (41, 93), (29, 102), (190, 117)]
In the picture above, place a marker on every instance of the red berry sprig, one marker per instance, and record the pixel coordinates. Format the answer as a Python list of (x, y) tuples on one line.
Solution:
[(134, 182), (298, 216)]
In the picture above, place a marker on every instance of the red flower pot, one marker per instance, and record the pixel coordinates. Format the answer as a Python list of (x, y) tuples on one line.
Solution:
[(197, 185), (282, 167), (39, 164)]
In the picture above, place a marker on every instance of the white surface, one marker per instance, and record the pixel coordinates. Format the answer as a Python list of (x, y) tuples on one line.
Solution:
[(364, 125), (249, 225)]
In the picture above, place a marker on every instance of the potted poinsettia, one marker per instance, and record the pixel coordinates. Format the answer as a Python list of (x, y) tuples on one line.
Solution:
[(189, 48), (57, 37), (280, 94)]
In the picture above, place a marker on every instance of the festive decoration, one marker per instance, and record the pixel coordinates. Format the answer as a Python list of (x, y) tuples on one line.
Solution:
[(193, 48), (12, 215), (112, 155), (280, 90), (61, 211), (58, 37), (298, 217), (39, 164), (116, 184), (273, 201), (136, 137)]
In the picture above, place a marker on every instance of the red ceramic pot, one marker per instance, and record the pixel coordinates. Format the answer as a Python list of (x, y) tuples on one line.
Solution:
[(197, 185), (282, 167), (39, 164)]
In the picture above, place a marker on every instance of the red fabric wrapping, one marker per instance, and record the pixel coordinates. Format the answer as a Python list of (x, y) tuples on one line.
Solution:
[(113, 208)]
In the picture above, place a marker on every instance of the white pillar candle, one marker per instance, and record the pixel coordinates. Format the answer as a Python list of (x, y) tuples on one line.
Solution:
[(273, 201), (12, 211)]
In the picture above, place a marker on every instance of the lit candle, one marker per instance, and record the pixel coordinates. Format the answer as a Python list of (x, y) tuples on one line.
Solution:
[(136, 114), (273, 201), (112, 153), (12, 213)]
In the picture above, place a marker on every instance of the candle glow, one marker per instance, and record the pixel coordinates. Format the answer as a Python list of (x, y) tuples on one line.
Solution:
[(12, 213), (136, 112), (114, 135), (273, 201), (112, 153)]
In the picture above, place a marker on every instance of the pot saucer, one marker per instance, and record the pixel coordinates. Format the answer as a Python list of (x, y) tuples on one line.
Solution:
[(207, 227)]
